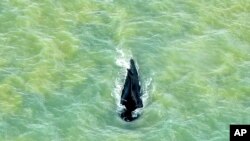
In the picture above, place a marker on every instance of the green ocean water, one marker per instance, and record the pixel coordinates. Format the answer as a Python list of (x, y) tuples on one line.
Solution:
[(63, 63)]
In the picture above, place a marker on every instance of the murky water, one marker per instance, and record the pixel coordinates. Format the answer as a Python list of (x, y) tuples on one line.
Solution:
[(63, 63)]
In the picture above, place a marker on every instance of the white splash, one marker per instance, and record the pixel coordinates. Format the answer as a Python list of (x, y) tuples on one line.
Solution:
[(123, 62), (122, 59)]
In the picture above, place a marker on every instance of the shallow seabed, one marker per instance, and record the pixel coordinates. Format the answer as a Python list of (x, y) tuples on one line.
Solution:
[(62, 66)]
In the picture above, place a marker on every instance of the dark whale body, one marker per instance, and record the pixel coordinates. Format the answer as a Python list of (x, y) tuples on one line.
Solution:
[(131, 93)]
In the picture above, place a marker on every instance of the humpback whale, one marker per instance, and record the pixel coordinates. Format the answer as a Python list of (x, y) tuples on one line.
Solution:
[(131, 94)]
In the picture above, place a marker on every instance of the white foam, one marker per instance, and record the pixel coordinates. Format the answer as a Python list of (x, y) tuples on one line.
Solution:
[(122, 59), (145, 90)]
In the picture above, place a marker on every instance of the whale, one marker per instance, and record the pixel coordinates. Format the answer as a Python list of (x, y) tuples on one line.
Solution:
[(131, 94)]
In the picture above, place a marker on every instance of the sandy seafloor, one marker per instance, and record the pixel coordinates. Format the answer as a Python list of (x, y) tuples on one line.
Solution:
[(63, 63)]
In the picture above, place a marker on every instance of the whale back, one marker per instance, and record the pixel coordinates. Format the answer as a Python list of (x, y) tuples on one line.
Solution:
[(131, 92)]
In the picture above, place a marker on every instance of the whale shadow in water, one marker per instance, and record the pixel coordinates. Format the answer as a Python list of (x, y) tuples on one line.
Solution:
[(131, 94)]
